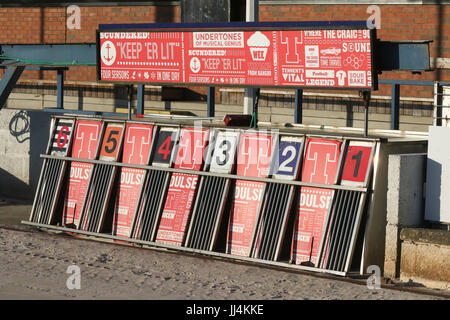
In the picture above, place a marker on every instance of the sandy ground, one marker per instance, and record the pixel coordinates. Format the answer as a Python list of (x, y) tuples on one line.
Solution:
[(33, 265)]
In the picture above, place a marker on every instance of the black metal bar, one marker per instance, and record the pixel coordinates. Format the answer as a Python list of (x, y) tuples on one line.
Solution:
[(140, 99), (395, 107), (8, 82), (205, 211), (51, 183), (268, 228), (211, 102), (298, 106), (60, 89)]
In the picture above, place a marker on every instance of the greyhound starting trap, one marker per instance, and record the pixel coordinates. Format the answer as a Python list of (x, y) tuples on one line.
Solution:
[(284, 197), (270, 196)]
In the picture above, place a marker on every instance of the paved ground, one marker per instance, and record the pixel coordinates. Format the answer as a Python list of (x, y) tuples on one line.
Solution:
[(35, 265)]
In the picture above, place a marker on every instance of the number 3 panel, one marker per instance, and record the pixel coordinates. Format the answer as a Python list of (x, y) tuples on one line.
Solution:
[(213, 192)]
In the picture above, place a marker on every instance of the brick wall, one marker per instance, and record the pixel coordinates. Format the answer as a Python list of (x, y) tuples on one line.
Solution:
[(398, 22), (48, 25)]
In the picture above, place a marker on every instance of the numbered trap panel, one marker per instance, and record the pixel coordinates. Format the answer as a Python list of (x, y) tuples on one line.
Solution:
[(258, 194)]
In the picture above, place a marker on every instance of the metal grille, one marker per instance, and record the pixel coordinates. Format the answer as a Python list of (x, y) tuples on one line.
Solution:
[(149, 207), (273, 221), (97, 196), (342, 225), (52, 171), (46, 195), (211, 198)]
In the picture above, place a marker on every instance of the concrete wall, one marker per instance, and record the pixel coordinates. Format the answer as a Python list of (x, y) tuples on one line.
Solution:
[(23, 137), (405, 204), (425, 257)]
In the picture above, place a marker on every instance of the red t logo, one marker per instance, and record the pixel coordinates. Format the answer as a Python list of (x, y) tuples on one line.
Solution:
[(86, 139), (292, 39), (321, 161), (137, 144)]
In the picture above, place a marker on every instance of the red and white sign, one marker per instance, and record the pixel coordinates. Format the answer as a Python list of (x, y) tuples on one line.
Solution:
[(86, 140), (328, 58), (320, 165), (182, 189), (254, 156), (136, 150), (357, 163)]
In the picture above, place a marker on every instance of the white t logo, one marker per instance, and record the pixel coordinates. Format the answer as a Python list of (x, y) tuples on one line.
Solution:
[(341, 75)]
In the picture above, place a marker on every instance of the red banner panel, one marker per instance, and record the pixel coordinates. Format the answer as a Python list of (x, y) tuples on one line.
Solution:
[(327, 58), (86, 140), (357, 163), (136, 150), (320, 165), (254, 156), (182, 189)]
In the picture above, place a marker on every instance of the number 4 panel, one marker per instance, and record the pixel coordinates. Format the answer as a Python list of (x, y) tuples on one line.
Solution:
[(155, 185)]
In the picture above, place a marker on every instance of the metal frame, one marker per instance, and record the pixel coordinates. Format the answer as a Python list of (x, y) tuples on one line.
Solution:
[(271, 178), (177, 248)]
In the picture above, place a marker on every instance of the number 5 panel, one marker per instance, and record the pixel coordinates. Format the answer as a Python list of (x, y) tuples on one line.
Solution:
[(101, 179)]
